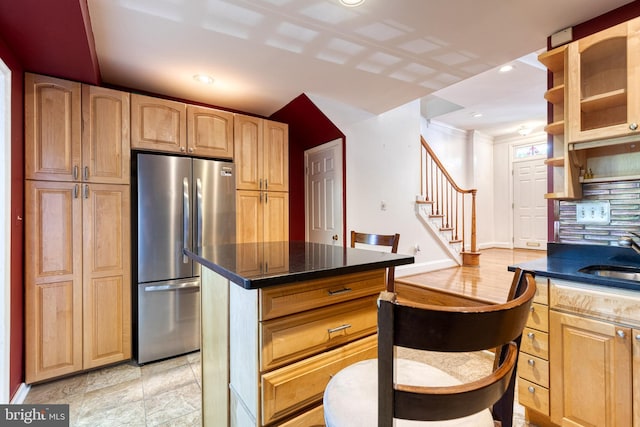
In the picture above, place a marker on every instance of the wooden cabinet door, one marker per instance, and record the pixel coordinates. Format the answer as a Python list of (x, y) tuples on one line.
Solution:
[(106, 274), (276, 156), (275, 216), (603, 84), (52, 128), (249, 216), (158, 124), (53, 279), (105, 136), (590, 371), (636, 377), (247, 152), (210, 132)]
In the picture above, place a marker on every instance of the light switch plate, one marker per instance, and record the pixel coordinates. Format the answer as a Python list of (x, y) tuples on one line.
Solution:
[(593, 213)]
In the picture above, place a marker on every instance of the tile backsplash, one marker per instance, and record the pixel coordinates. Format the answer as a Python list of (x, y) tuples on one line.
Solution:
[(624, 197)]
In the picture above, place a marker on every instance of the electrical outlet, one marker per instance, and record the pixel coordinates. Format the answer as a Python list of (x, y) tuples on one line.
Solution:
[(593, 213)]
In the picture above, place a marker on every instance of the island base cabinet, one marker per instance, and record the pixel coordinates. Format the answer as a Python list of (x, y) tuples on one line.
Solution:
[(590, 367), (290, 389)]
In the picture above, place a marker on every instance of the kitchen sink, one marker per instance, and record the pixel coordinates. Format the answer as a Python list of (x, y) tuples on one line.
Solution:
[(613, 271)]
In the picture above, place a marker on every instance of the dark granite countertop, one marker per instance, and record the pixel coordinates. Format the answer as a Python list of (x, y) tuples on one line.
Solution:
[(564, 261), (290, 261)]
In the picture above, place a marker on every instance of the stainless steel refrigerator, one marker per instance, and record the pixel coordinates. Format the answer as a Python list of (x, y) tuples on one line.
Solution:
[(181, 203)]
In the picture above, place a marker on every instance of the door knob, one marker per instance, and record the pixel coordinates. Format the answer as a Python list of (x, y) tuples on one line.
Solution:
[(335, 237)]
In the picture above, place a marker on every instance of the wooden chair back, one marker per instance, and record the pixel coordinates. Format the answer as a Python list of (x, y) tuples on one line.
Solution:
[(449, 329), (390, 240)]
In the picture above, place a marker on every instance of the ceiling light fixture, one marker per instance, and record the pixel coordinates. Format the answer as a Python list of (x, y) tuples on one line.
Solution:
[(476, 115), (506, 68), (351, 3), (524, 131), (203, 78)]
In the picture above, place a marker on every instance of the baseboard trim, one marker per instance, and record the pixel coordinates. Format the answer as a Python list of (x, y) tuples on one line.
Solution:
[(21, 394), (424, 267)]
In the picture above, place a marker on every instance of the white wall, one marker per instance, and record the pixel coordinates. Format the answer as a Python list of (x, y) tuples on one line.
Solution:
[(383, 165), (5, 235)]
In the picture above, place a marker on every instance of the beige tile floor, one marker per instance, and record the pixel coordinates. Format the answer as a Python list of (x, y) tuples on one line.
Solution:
[(165, 393), (168, 393)]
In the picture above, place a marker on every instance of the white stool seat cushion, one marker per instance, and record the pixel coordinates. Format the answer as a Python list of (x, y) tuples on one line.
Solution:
[(351, 397)]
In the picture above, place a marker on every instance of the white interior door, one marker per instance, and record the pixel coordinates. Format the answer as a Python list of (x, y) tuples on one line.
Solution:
[(323, 193), (529, 204)]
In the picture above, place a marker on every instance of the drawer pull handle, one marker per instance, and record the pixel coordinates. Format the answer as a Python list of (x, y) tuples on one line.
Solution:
[(531, 362), (531, 389), (531, 335), (339, 291), (339, 328)]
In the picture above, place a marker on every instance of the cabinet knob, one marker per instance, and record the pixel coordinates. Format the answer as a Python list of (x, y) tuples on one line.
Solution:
[(191, 150), (531, 389), (621, 333), (531, 362), (182, 149), (532, 309), (638, 337), (633, 126), (531, 335)]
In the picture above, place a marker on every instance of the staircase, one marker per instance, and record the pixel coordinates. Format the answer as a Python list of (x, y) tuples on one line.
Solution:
[(447, 210)]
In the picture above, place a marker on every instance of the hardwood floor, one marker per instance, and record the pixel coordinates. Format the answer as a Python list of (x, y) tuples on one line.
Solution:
[(487, 283)]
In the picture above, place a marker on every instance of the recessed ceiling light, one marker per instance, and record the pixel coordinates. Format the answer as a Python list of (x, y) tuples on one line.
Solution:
[(506, 68), (204, 79), (352, 3)]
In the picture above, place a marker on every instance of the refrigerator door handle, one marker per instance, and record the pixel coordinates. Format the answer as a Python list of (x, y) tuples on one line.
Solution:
[(198, 212), (185, 218), (172, 287)]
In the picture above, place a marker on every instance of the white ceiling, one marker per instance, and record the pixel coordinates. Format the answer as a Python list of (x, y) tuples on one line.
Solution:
[(383, 54)]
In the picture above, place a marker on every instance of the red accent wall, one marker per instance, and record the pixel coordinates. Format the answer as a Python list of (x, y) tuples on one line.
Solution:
[(51, 37), (17, 211), (308, 128)]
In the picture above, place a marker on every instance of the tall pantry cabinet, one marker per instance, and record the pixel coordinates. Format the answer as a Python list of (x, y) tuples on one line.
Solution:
[(77, 234), (262, 179)]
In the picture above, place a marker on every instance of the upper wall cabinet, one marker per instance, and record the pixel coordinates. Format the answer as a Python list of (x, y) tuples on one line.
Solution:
[(75, 132), (158, 124), (603, 89), (209, 132), (261, 154)]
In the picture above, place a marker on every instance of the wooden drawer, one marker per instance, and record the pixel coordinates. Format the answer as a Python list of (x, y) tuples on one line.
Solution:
[(291, 338), (312, 418), (533, 369), (289, 299), (539, 317), (302, 384), (542, 291), (533, 396), (535, 343)]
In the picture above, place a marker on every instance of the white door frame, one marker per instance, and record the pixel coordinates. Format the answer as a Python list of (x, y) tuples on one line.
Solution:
[(337, 145), (5, 220)]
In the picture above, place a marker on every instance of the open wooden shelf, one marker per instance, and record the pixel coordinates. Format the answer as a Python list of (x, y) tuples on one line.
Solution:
[(603, 101), (555, 128), (553, 59), (554, 161), (555, 95)]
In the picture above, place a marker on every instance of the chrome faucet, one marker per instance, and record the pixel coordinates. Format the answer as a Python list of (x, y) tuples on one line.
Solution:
[(629, 242)]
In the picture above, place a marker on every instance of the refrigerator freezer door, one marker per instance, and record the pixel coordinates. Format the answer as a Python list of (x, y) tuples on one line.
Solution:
[(168, 319), (164, 208)]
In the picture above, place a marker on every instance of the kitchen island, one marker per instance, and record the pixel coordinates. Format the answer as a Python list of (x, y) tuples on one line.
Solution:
[(278, 319)]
